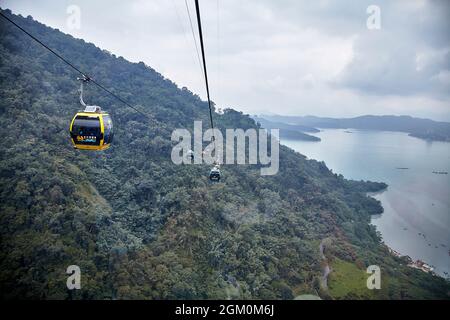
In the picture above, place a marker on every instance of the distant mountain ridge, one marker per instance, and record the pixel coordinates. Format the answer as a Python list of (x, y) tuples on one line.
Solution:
[(289, 131), (421, 128)]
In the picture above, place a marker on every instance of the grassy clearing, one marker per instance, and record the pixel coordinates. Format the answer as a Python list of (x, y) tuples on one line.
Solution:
[(348, 281)]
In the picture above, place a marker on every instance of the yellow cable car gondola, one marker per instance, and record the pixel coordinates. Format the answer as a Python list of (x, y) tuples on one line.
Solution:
[(91, 129)]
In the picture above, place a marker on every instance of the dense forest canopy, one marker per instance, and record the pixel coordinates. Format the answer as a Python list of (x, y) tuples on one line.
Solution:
[(141, 227)]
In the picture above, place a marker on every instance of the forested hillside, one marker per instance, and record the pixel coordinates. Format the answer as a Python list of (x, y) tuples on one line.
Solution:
[(141, 227)]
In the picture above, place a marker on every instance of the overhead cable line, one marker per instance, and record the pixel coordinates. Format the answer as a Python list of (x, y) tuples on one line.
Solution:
[(193, 36), (182, 28), (218, 95), (83, 74), (199, 22)]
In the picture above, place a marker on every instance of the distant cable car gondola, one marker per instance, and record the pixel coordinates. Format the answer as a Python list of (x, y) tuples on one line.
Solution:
[(214, 174), (91, 129)]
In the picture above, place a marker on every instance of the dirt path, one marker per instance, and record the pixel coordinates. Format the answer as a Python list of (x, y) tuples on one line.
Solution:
[(326, 268)]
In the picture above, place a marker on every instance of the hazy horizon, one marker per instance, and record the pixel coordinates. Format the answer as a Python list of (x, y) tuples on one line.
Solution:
[(349, 117)]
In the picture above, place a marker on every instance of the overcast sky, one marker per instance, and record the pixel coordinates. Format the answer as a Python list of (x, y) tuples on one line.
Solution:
[(280, 56)]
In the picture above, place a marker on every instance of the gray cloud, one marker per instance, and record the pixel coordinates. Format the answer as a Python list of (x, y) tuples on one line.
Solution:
[(409, 56), (288, 57)]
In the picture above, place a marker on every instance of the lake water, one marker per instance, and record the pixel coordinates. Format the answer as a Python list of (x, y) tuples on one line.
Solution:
[(416, 218)]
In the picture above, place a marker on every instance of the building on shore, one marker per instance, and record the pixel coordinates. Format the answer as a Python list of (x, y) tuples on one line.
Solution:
[(419, 264)]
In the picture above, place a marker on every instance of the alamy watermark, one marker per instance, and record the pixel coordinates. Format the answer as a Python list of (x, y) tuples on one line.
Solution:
[(74, 280), (74, 19), (373, 22), (374, 280), (232, 152)]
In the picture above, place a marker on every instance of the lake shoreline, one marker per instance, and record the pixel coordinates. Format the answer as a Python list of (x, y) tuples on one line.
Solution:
[(416, 206), (417, 264)]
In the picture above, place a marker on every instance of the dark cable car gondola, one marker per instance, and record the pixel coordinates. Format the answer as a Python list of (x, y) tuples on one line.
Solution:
[(91, 129), (214, 174)]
